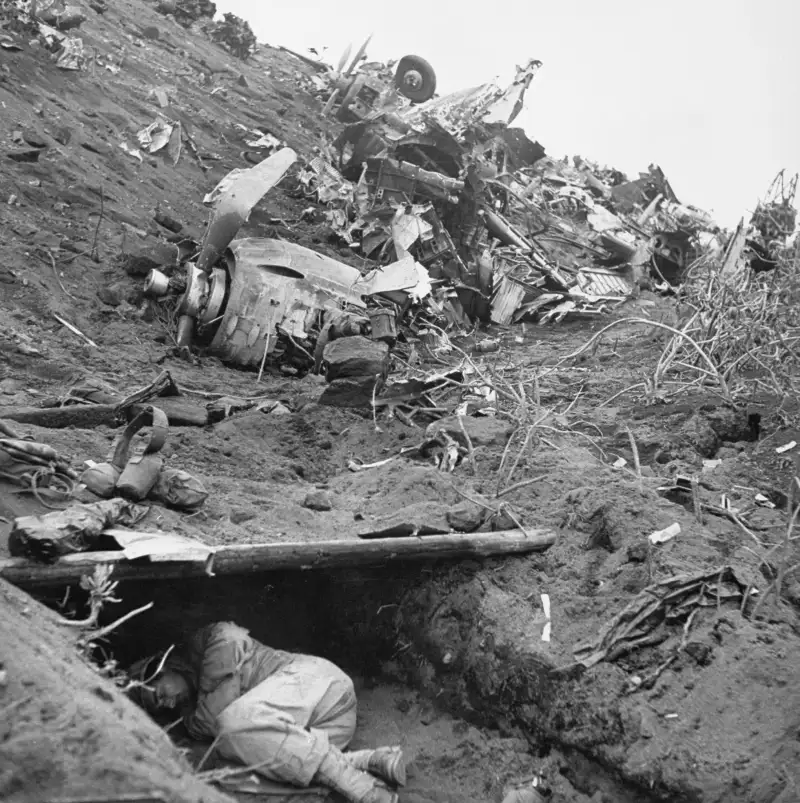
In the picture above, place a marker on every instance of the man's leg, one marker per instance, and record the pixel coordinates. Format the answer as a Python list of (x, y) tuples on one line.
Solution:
[(257, 731), (257, 734)]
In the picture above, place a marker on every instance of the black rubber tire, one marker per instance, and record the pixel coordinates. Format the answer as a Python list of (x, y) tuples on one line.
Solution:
[(428, 88)]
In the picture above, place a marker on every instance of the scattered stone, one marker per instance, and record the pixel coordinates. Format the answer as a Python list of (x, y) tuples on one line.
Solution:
[(62, 135), (355, 357), (702, 653), (242, 516), (151, 32), (24, 156), (701, 436), (242, 81), (168, 222), (34, 139), (141, 259), (727, 453), (465, 517), (502, 521), (10, 386), (637, 553), (318, 500), (482, 430), (349, 393), (113, 294)]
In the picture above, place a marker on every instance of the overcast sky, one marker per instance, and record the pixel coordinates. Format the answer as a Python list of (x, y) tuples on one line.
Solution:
[(708, 89)]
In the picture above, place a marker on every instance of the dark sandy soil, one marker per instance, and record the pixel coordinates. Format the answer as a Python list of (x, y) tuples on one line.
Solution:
[(720, 723)]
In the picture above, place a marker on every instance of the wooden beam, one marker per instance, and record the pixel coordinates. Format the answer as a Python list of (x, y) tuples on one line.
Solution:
[(255, 558)]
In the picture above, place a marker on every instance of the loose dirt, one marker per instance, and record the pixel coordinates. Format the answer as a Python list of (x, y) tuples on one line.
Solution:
[(722, 722)]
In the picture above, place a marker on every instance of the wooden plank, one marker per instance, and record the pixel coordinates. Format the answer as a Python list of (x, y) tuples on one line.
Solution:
[(280, 556), (80, 416), (180, 411)]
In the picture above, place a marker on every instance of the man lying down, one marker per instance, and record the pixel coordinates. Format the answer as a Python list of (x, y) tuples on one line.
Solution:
[(287, 716)]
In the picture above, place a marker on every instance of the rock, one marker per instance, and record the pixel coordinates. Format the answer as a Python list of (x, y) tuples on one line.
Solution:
[(10, 386), (701, 652), (355, 357), (318, 500), (242, 81), (140, 259), (113, 294), (242, 516), (502, 521), (349, 393), (727, 453), (637, 553), (465, 517), (482, 430), (151, 32), (700, 435), (34, 139)]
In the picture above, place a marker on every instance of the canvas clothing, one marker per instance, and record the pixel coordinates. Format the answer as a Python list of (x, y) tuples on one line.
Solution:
[(279, 712)]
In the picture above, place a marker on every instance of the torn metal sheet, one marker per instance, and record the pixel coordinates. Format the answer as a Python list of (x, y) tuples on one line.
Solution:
[(602, 282), (407, 228), (507, 299), (277, 285), (154, 137), (400, 275), (732, 261), (158, 547), (223, 186), (459, 111)]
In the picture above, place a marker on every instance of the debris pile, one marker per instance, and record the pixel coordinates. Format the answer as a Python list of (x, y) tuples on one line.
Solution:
[(234, 34), (457, 218)]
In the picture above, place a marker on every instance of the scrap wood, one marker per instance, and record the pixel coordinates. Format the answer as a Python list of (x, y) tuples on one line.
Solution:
[(655, 605)]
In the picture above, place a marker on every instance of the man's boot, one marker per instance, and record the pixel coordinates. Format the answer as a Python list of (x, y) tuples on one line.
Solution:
[(385, 762), (337, 773)]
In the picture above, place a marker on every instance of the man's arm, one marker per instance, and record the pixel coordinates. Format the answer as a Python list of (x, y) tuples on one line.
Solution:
[(218, 651)]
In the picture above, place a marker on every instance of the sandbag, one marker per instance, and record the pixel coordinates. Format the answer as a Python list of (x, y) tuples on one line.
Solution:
[(179, 489), (77, 529)]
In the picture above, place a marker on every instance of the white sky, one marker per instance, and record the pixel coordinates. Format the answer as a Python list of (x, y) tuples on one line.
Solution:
[(708, 89)]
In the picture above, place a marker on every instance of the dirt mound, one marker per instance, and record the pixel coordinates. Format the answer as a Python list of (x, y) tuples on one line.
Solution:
[(66, 730)]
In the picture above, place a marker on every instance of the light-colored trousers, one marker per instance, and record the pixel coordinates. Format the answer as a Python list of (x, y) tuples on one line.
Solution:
[(283, 727)]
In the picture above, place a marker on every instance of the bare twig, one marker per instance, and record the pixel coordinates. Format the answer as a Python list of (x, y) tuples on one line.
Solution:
[(58, 278), (636, 464), (76, 331), (104, 631), (93, 252), (470, 447), (519, 485)]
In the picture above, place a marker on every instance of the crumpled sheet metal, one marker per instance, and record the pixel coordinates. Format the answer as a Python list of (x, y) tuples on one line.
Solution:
[(601, 282), (457, 112), (277, 284)]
